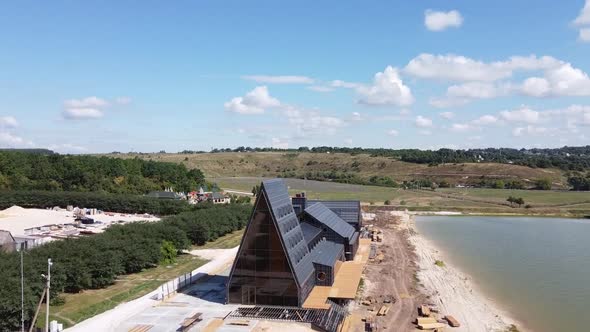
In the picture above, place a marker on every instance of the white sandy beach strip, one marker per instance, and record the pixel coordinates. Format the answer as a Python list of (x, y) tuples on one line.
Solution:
[(452, 291)]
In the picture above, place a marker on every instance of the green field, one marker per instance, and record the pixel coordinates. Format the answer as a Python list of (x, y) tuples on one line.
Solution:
[(89, 303), (534, 197), (471, 200)]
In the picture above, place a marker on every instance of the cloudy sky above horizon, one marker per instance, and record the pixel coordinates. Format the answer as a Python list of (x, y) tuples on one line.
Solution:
[(80, 77)]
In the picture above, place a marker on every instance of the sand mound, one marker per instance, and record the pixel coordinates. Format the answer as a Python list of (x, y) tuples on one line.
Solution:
[(14, 210)]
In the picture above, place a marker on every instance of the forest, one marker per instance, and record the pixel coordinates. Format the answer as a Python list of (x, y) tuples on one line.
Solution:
[(96, 261), (54, 172)]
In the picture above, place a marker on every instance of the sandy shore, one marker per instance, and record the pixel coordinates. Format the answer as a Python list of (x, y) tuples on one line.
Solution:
[(451, 290)]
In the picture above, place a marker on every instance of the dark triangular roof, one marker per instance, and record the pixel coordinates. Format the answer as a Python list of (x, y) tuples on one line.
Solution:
[(348, 211), (325, 216), (288, 228)]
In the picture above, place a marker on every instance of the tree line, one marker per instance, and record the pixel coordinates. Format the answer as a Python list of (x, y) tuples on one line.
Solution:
[(122, 203), (96, 261), (54, 172), (565, 158)]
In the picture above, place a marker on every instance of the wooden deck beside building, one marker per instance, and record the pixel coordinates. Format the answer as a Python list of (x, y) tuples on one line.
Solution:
[(346, 281)]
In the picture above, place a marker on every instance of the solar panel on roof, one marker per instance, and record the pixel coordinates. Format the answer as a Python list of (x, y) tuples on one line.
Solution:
[(327, 253), (289, 229), (349, 211), (310, 232), (325, 216)]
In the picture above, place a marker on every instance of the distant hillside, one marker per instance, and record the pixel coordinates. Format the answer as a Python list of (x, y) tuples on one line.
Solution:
[(33, 151), (572, 158), (346, 167)]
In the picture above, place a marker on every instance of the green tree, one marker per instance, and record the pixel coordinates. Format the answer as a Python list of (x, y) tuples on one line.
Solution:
[(511, 200), (168, 252), (543, 184), (498, 184)]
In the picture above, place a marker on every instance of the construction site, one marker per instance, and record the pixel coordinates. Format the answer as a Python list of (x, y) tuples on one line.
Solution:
[(302, 265)]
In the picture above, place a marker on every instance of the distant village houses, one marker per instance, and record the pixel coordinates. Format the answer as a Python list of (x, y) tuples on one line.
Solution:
[(193, 197)]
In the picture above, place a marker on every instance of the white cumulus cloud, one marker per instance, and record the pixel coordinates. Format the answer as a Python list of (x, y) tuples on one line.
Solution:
[(254, 102), (279, 143), (453, 67), (447, 115), (356, 116), (584, 35), (563, 80), (526, 115), (13, 141), (8, 122), (584, 16), (485, 120), (440, 20), (82, 113), (87, 102), (460, 127), (529, 130), (387, 89), (423, 122), (393, 132)]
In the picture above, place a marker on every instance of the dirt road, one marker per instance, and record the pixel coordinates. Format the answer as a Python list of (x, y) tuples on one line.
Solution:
[(394, 277)]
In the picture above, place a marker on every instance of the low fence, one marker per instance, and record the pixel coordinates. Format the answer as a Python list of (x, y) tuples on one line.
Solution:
[(175, 285)]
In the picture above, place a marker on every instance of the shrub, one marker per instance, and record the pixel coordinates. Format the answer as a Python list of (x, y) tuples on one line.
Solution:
[(543, 184), (168, 252)]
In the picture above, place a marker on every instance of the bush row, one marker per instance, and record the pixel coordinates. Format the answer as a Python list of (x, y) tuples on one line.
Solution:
[(96, 261), (106, 202)]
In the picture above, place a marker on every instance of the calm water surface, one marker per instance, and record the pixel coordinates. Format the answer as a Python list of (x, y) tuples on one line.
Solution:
[(538, 269)]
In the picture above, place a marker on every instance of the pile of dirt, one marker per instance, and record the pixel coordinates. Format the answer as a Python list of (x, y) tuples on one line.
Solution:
[(13, 210)]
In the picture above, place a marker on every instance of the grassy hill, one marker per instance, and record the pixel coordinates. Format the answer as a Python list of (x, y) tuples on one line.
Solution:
[(273, 164), (241, 171)]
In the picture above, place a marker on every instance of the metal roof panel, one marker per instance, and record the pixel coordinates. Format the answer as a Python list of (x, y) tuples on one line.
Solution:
[(289, 228), (325, 216), (348, 211), (327, 252)]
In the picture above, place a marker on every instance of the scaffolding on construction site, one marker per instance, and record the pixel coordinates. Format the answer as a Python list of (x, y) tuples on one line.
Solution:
[(327, 319)]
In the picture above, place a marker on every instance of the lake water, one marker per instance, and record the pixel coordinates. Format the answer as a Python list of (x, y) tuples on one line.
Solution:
[(538, 269)]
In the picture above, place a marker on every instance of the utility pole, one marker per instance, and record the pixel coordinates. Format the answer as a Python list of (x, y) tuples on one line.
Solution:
[(49, 263), (22, 290)]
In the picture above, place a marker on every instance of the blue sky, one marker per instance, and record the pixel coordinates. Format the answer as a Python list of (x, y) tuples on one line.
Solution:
[(82, 77)]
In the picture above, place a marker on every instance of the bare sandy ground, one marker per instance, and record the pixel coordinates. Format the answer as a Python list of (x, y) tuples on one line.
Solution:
[(209, 254), (17, 219), (451, 290)]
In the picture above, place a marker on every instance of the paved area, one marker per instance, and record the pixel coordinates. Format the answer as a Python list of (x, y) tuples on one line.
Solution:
[(167, 315), (205, 297)]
